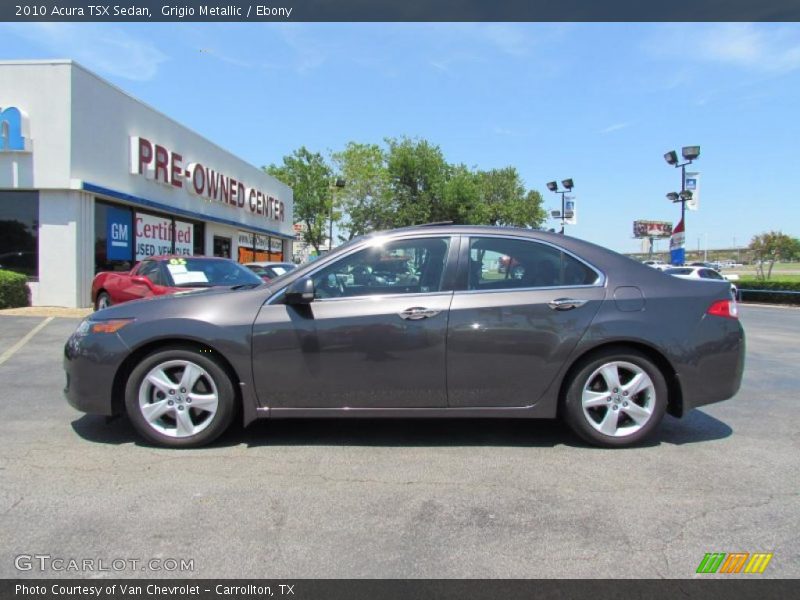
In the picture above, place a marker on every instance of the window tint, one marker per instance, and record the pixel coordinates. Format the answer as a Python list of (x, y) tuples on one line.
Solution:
[(400, 267), (497, 264)]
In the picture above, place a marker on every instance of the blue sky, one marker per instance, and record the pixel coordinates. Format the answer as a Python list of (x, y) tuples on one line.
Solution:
[(600, 103)]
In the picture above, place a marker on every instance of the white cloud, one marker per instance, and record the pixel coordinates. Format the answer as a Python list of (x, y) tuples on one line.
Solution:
[(769, 48), (108, 49), (615, 127)]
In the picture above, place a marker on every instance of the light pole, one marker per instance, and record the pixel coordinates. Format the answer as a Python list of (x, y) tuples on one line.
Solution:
[(339, 183), (690, 154), (553, 187)]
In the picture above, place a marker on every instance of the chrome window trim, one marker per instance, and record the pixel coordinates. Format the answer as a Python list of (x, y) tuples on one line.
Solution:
[(601, 281)]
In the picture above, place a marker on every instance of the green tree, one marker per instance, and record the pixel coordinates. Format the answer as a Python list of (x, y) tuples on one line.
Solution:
[(365, 202), (417, 174), (462, 196), (506, 202), (310, 177), (770, 247)]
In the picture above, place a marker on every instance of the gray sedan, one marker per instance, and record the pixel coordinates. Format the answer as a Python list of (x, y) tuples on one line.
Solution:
[(415, 323)]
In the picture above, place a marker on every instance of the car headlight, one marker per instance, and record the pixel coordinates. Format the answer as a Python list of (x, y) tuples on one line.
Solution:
[(106, 326)]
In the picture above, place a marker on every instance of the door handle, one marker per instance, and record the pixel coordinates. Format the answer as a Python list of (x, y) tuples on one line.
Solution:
[(565, 303), (418, 312)]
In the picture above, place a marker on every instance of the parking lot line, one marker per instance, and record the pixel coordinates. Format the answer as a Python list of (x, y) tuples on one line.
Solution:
[(11, 351)]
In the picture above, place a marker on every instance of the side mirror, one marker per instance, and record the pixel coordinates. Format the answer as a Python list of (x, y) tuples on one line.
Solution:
[(300, 291), (141, 280)]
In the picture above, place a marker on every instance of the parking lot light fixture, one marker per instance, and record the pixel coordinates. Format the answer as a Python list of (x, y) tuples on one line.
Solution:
[(690, 153), (553, 187)]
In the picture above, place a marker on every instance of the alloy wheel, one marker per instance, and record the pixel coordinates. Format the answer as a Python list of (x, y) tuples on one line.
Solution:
[(618, 398), (178, 398)]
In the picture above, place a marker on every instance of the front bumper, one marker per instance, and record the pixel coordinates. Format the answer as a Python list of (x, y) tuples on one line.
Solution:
[(91, 362)]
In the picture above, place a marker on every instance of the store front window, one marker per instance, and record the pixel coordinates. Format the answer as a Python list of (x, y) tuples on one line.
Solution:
[(124, 236), (19, 233), (222, 246), (254, 247)]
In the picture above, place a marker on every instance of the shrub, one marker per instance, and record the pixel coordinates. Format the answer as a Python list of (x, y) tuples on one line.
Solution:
[(766, 296), (13, 290)]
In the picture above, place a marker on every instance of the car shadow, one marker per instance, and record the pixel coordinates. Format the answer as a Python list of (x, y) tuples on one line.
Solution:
[(696, 427)]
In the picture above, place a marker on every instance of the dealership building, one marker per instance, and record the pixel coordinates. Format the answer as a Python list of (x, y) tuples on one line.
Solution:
[(92, 179)]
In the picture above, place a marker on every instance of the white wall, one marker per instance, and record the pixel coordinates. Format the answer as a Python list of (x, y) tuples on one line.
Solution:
[(66, 242), (42, 91)]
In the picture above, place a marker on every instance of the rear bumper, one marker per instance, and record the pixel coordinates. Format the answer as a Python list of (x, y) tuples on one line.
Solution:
[(712, 371), (90, 364)]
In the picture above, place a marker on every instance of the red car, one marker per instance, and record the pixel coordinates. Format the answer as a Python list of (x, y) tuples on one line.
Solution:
[(161, 275)]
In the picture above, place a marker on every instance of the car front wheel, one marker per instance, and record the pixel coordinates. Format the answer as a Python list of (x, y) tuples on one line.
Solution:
[(103, 301), (615, 398), (178, 397)]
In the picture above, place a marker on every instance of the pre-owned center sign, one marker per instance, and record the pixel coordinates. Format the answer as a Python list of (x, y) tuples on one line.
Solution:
[(167, 167)]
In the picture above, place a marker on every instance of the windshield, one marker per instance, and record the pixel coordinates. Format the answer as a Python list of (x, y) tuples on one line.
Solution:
[(208, 272), (678, 271)]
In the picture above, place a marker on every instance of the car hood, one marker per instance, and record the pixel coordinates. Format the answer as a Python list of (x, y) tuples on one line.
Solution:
[(181, 303)]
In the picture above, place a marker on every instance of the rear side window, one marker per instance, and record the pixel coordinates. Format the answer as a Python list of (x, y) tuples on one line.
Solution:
[(498, 264)]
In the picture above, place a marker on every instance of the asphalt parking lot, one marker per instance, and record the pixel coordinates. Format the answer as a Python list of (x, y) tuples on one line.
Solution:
[(402, 498)]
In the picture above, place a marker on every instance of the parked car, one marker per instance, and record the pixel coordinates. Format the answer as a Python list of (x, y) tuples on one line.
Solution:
[(162, 275), (605, 342), (657, 264), (702, 274), (270, 270)]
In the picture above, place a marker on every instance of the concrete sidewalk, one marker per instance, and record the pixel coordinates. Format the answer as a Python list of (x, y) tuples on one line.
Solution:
[(47, 311)]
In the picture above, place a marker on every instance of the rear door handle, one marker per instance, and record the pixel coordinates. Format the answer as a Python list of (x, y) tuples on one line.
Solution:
[(418, 312), (565, 303)]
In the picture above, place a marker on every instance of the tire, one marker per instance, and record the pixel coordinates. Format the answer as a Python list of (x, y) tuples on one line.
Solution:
[(167, 414), (603, 417), (102, 301)]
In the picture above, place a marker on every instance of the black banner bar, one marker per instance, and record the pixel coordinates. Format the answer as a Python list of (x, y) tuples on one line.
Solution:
[(400, 10), (730, 588)]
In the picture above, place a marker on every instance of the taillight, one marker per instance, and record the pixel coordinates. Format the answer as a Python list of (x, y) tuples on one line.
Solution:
[(724, 308)]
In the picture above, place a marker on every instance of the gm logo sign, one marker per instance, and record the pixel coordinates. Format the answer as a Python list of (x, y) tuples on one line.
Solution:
[(119, 233), (13, 130)]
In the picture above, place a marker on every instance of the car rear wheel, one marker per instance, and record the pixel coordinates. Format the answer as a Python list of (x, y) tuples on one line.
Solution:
[(180, 398), (615, 398), (102, 301)]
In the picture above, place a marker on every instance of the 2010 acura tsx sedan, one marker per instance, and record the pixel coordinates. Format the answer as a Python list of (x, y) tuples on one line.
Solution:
[(429, 321)]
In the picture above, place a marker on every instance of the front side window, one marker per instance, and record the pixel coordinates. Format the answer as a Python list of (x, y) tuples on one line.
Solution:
[(501, 263), (399, 267)]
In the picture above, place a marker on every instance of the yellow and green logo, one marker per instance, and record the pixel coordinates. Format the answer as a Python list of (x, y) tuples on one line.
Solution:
[(734, 562)]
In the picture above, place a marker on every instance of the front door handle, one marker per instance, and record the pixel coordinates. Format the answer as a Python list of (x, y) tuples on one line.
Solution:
[(418, 312), (565, 303)]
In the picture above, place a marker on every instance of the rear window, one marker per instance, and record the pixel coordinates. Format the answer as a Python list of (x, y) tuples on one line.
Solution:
[(679, 271)]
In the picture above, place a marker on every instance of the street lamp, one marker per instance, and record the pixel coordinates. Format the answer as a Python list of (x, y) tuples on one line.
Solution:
[(339, 183), (568, 184), (690, 154)]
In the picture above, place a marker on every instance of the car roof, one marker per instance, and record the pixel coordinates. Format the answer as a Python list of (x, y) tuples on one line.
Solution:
[(171, 256)]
